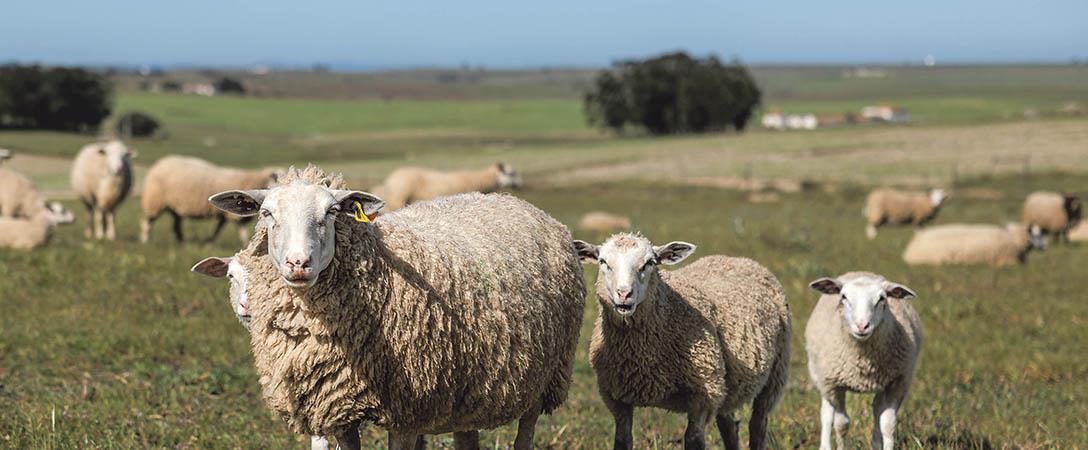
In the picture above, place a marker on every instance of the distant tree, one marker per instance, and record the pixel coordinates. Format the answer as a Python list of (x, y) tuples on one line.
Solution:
[(228, 85), (171, 86), (57, 98), (673, 93), (136, 124)]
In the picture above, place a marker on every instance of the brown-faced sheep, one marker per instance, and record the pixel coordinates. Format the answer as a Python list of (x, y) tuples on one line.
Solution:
[(26, 234), (603, 222), (102, 178), (423, 321), (181, 185), (863, 336), (973, 244), (1052, 212), (412, 184), (704, 340), (890, 206)]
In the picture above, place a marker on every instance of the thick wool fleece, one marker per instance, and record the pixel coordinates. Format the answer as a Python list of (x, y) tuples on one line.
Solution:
[(457, 314), (899, 207), (1048, 211), (716, 332), (93, 182), (968, 244), (412, 184), (26, 234), (838, 361), (183, 184), (18, 196)]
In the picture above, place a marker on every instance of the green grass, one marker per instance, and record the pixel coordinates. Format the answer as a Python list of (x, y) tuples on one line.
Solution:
[(116, 345)]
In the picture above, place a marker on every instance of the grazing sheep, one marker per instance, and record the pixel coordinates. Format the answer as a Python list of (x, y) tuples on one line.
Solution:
[(102, 178), (890, 206), (18, 196), (1052, 213), (412, 184), (26, 234), (603, 221), (973, 243), (181, 186), (424, 321), (1079, 233), (704, 340), (863, 336)]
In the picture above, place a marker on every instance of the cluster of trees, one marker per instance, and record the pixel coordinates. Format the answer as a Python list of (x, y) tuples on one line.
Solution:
[(54, 98), (673, 93), (136, 124)]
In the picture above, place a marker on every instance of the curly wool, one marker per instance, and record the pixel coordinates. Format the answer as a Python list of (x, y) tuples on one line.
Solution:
[(968, 244), (183, 184), (427, 320), (18, 196), (716, 331)]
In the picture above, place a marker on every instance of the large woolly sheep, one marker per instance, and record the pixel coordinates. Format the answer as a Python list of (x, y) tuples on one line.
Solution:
[(890, 206), (18, 196), (26, 234), (863, 336), (973, 244), (1052, 212), (181, 186), (706, 339), (412, 184), (102, 178), (423, 321)]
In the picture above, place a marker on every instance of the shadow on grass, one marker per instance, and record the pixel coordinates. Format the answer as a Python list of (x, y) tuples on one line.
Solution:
[(962, 440)]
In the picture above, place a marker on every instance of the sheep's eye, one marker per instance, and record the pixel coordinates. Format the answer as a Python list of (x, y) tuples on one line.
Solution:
[(647, 266), (603, 262), (230, 276), (265, 213), (844, 299), (882, 299), (333, 211)]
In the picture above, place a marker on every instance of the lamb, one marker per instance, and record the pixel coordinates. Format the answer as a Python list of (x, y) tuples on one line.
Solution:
[(972, 244), (604, 222), (423, 321), (864, 337), (412, 184), (102, 178), (705, 339), (18, 196), (1052, 212), (890, 206), (26, 234), (181, 186)]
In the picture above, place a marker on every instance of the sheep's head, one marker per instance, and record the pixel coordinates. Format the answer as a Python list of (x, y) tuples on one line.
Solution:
[(507, 176), (1036, 237), (937, 196), (58, 214), (116, 155), (1072, 206), (301, 219), (627, 264), (863, 300), (233, 269)]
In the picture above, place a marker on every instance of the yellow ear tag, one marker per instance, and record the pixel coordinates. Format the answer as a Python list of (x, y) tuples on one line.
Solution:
[(360, 216)]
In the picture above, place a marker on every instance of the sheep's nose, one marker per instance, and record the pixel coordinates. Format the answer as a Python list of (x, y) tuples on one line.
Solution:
[(623, 295), (862, 327), (297, 262)]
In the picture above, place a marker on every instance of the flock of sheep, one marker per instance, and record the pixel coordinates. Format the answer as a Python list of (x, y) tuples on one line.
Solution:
[(423, 320)]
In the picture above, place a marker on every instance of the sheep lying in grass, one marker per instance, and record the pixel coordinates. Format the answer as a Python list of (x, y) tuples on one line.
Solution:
[(102, 178), (972, 244), (704, 340), (863, 336), (424, 321), (1052, 213), (1079, 233), (603, 222), (181, 186), (890, 206), (26, 234), (412, 184), (18, 196)]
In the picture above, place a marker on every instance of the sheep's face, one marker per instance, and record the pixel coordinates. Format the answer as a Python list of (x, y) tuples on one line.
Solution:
[(508, 177), (116, 155), (863, 301), (58, 214), (236, 273), (300, 218), (1036, 237), (627, 264)]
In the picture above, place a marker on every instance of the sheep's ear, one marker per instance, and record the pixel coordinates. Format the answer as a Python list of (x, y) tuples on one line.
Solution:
[(212, 266), (242, 203), (896, 290), (674, 252), (829, 286), (587, 253), (370, 202)]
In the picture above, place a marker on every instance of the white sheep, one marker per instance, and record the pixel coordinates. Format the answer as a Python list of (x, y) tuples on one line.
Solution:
[(706, 339), (864, 337), (102, 178), (1079, 233), (603, 222), (1052, 212), (890, 206), (181, 186), (412, 184), (972, 244), (18, 196), (26, 234), (423, 321)]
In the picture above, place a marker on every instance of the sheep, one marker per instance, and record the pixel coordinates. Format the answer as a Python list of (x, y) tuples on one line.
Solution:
[(423, 321), (18, 196), (1052, 213), (705, 339), (973, 243), (101, 178), (864, 337), (890, 206), (181, 186), (412, 184), (1079, 233), (26, 234), (5, 154), (603, 222)]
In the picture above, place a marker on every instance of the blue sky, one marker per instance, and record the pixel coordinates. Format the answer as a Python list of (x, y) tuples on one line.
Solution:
[(406, 33)]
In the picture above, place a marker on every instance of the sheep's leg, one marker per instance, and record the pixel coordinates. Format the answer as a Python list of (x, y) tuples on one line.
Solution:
[(219, 222), (177, 227), (885, 413), (111, 233), (842, 420), (870, 231), (349, 439), (319, 443), (727, 426), (463, 440), (89, 230), (402, 441), (526, 429), (97, 219), (623, 414), (695, 434)]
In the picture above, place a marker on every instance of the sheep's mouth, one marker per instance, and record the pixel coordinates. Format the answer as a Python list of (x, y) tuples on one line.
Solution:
[(624, 309), (299, 280), (862, 336)]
